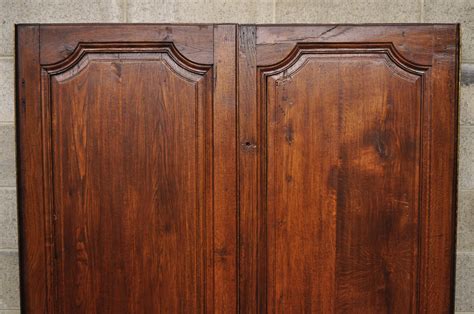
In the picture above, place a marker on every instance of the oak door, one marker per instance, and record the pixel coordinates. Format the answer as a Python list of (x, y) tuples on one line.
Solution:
[(249, 169), (127, 168), (347, 168)]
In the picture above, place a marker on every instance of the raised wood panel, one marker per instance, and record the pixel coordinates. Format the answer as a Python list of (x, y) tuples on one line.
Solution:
[(131, 191), (345, 181), (251, 169), (341, 182), (345, 137), (121, 133)]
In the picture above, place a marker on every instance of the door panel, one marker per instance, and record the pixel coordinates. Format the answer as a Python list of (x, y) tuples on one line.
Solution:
[(341, 149), (129, 156), (341, 183), (249, 169), (130, 183)]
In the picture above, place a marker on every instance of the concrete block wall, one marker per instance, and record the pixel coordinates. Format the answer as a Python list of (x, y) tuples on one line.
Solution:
[(228, 11)]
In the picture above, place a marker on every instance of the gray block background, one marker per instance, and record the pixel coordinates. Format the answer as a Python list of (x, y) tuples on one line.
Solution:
[(226, 11)]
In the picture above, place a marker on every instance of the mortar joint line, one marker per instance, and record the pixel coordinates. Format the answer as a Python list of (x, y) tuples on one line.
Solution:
[(8, 250)]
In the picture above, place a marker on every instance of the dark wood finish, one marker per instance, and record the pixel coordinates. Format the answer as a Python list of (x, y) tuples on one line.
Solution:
[(131, 134), (439, 194), (192, 41), (341, 182), (122, 140), (248, 159), (250, 169), (356, 179), (34, 241), (225, 172)]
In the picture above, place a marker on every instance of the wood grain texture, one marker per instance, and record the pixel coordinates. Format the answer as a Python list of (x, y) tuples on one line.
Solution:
[(129, 183), (225, 172), (126, 150), (33, 239), (333, 143), (59, 40), (345, 141), (411, 41), (129, 167), (251, 169), (439, 194), (248, 169)]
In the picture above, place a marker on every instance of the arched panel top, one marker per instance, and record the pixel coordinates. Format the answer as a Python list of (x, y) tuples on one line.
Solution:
[(83, 64), (165, 51), (129, 135), (195, 41), (300, 53), (417, 43)]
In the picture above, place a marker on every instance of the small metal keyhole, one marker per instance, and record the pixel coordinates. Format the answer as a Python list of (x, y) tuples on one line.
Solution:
[(248, 146)]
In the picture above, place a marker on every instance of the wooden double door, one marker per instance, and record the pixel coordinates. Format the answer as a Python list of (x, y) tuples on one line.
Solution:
[(225, 168)]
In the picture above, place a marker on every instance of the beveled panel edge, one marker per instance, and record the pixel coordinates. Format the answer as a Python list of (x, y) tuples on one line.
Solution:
[(82, 49), (168, 61), (344, 48)]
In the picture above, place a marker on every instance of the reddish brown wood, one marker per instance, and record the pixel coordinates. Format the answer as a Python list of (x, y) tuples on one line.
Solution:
[(412, 41), (34, 240), (341, 183), (122, 128), (224, 168), (129, 183), (346, 186), (225, 172), (437, 267), (58, 41), (248, 169)]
